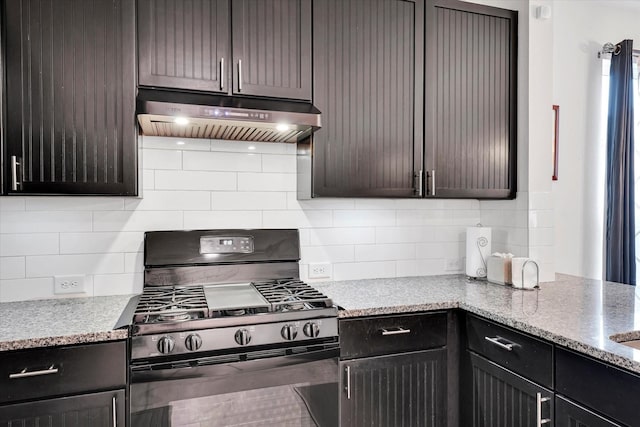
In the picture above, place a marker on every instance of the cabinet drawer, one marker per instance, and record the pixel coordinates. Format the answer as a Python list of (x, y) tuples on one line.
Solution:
[(599, 386), (374, 336), (530, 357), (35, 373)]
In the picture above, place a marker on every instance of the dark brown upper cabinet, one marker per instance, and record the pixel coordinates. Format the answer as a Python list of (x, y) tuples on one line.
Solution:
[(70, 97), (417, 99), (240, 47), (368, 73), (470, 108)]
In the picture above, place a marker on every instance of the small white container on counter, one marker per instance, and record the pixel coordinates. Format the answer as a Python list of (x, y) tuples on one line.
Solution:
[(525, 273), (499, 268)]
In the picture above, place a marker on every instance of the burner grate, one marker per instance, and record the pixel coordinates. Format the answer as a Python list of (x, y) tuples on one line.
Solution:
[(171, 303), (291, 294)]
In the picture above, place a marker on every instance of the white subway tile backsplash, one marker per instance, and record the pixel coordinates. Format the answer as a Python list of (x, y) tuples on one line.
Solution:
[(170, 201), (148, 180), (278, 163), (134, 262), (29, 244), (137, 220), (420, 267), (296, 219), (194, 220), (320, 203), (117, 284), (219, 161), (195, 180), (386, 252), (249, 200), (44, 222), (364, 270), (266, 181), (341, 236), (253, 147), (12, 267), (65, 265), (101, 242), (332, 254), (24, 289), (74, 203), (357, 218), (184, 144), (200, 184), (162, 159)]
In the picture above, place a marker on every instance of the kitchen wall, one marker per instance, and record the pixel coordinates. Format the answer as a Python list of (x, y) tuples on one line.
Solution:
[(579, 33), (193, 184)]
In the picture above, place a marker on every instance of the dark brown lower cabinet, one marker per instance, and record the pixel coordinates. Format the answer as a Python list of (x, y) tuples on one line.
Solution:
[(569, 414), (407, 389), (501, 398), (106, 409)]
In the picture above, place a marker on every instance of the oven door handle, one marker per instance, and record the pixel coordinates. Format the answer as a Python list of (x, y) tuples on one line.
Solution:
[(208, 366)]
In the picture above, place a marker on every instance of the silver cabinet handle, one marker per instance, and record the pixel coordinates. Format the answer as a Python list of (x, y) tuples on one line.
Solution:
[(507, 346), (114, 412), (25, 374), (539, 419), (433, 182), (239, 75), (420, 179), (221, 73), (395, 331), (14, 173), (348, 388)]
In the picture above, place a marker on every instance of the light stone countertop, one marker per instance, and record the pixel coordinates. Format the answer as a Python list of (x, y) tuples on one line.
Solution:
[(43, 323), (576, 313)]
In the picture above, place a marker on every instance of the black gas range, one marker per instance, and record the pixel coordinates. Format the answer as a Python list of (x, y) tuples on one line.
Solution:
[(224, 320), (210, 290)]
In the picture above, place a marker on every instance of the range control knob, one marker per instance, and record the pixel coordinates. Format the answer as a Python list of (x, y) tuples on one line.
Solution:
[(243, 337), (193, 342), (289, 332), (311, 329), (166, 345)]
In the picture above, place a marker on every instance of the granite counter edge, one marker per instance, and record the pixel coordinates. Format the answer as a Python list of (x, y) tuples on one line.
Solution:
[(82, 338), (581, 347)]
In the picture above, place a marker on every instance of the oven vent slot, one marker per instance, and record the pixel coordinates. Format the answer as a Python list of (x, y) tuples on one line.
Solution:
[(216, 360)]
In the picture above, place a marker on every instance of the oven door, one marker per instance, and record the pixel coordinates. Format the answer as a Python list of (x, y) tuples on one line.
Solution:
[(298, 388)]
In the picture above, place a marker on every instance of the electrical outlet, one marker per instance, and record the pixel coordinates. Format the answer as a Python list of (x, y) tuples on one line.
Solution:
[(69, 285), (320, 270), (453, 264)]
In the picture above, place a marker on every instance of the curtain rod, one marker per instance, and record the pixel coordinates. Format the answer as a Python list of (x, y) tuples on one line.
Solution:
[(610, 48)]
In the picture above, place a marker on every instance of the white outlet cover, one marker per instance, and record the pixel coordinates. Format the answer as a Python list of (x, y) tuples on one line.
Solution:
[(69, 284), (320, 270)]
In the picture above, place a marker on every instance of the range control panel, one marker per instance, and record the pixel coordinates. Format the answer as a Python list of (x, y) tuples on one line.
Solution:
[(226, 244)]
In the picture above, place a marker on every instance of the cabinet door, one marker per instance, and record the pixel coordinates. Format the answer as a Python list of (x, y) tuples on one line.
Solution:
[(471, 100), (501, 398), (568, 414), (105, 409), (368, 84), (70, 97), (272, 48), (400, 390), (184, 44)]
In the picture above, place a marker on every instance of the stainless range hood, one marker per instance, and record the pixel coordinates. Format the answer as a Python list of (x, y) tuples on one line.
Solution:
[(192, 115)]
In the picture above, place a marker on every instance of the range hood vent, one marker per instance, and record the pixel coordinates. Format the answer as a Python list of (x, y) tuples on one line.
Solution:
[(189, 115)]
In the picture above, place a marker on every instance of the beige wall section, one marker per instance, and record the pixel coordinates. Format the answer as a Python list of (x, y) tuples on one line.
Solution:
[(580, 28)]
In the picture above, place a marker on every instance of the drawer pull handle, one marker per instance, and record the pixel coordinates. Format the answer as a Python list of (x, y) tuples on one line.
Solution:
[(348, 387), (497, 341), (395, 331), (539, 401), (25, 374)]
